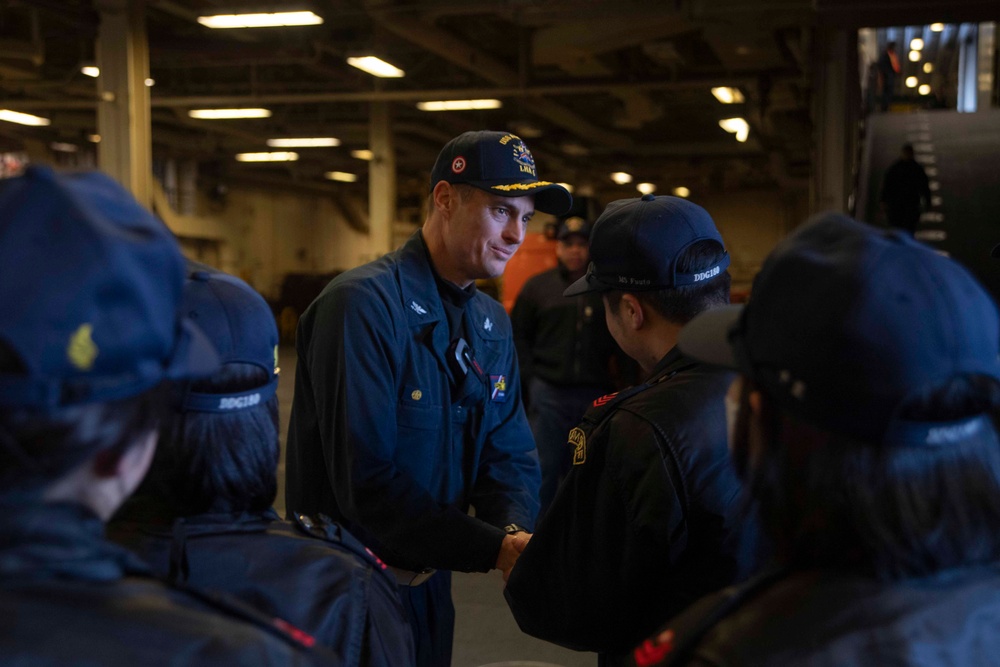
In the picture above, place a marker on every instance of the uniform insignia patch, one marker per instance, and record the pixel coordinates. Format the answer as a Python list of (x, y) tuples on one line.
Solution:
[(488, 324), (499, 392), (653, 652), (603, 399), (578, 439), (458, 165), (417, 308), (81, 350)]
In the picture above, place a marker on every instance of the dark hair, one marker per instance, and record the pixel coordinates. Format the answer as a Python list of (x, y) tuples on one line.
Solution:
[(218, 462), (679, 305), (908, 150), (892, 512), (38, 447)]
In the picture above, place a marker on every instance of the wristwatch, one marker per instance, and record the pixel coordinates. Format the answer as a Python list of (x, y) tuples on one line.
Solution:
[(512, 528)]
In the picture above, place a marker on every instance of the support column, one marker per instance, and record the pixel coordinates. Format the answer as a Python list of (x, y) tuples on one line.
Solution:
[(123, 118), (835, 116), (381, 181)]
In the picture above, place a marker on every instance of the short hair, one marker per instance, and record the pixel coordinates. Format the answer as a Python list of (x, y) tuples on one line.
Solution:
[(679, 305), (464, 191), (908, 150), (37, 447), (218, 462), (893, 512)]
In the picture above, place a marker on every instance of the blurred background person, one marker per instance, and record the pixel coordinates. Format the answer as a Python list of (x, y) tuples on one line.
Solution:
[(203, 515), (905, 192), (867, 432), (92, 334)]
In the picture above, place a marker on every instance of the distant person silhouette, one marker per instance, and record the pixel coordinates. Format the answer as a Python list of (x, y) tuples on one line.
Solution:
[(888, 68), (905, 191)]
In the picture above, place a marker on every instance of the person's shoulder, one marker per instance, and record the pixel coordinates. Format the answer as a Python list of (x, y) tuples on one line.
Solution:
[(335, 537), (138, 618)]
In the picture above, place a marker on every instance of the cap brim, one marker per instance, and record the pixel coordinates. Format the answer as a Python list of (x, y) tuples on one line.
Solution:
[(586, 284), (194, 356), (706, 337), (549, 197)]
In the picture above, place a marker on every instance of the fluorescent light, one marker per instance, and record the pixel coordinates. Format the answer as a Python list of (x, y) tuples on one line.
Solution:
[(275, 19), (22, 118), (681, 191), (911, 82), (928, 68), (914, 56), (924, 89), (222, 114), (621, 177), (646, 188), (569, 188), (916, 44), (276, 156), (341, 176), (303, 142), (376, 67), (459, 105), (64, 147), (737, 126), (91, 70), (362, 154), (937, 27), (728, 95)]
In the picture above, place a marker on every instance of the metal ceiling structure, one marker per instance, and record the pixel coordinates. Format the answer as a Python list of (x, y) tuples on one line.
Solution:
[(593, 86)]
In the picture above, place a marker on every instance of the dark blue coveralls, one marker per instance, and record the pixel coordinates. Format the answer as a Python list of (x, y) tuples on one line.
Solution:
[(70, 597), (388, 439), (310, 572)]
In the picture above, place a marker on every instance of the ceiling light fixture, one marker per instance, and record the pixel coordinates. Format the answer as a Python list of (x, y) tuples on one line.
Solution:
[(916, 44), (459, 105), (681, 191), (914, 56), (91, 70), (272, 20), (621, 177), (376, 67), (737, 126), (341, 176), (226, 114), (303, 142), (362, 154), (276, 156), (911, 82), (728, 95), (23, 118), (937, 27), (94, 138), (150, 83), (924, 89), (928, 68), (64, 147), (646, 188)]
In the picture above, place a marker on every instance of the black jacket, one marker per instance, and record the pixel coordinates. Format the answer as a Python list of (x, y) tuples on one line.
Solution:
[(645, 523), (69, 597), (826, 619), (311, 573), (562, 340)]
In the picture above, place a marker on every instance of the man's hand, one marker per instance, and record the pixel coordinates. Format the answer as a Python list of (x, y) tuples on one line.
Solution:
[(510, 549)]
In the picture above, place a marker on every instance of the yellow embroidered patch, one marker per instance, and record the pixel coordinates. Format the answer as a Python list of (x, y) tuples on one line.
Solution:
[(578, 438), (521, 186), (416, 394), (81, 350)]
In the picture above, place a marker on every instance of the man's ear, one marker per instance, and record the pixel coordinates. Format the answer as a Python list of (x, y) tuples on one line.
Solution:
[(632, 311), (445, 197)]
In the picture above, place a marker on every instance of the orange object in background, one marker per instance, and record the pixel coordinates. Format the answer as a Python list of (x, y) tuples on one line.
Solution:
[(536, 254)]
